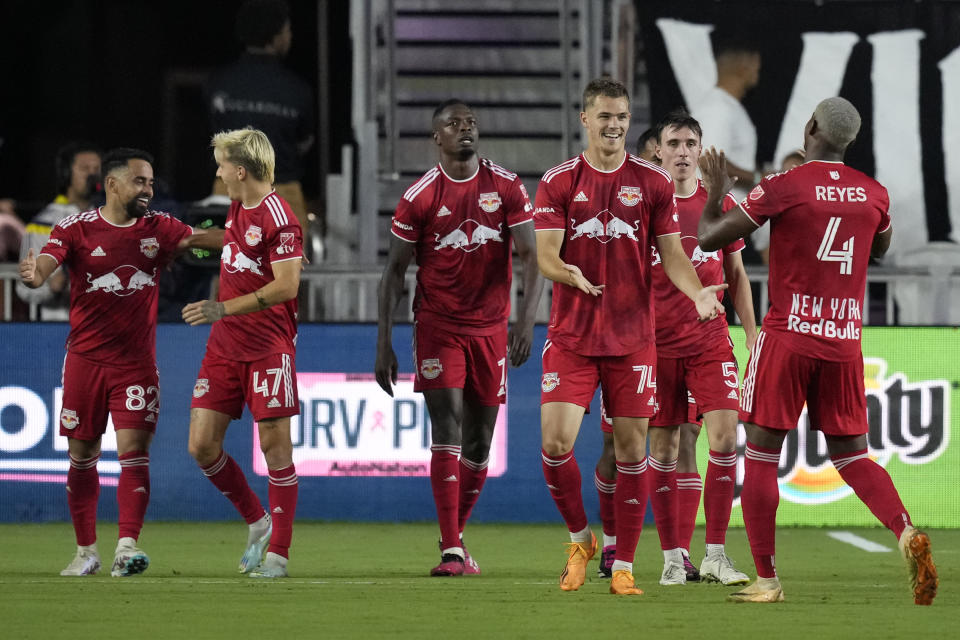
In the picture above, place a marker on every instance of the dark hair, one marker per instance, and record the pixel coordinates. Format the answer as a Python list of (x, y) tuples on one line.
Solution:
[(732, 42), (258, 21), (63, 162), (121, 157), (679, 118), (447, 103), (653, 133), (604, 86)]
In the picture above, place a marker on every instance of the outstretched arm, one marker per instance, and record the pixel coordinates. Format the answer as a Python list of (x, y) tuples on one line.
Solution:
[(283, 287), (677, 266), (390, 290), (520, 336), (35, 271), (716, 228), (553, 267)]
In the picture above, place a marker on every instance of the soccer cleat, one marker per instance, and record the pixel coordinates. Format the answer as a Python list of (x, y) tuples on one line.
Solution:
[(578, 555), (763, 590), (257, 541), (470, 566), (85, 563), (622, 584), (273, 566), (673, 573), (605, 570), (693, 574), (718, 567), (915, 548), (450, 565), (129, 561)]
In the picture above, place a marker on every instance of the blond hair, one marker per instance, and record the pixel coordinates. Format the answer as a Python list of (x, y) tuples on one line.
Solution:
[(839, 121), (249, 148)]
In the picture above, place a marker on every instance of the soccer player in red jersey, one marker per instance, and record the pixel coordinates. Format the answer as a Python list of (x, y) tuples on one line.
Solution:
[(597, 217), (458, 220), (251, 348), (115, 255), (696, 376), (827, 220)]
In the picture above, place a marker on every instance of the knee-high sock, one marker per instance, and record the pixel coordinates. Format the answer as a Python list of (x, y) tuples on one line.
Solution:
[(605, 490), (718, 494), (83, 491), (563, 480), (444, 467), (227, 476), (472, 476), (133, 493), (282, 493), (873, 486), (665, 501), (631, 506), (760, 498), (689, 486)]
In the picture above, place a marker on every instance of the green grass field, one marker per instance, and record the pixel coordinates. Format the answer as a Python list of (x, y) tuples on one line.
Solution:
[(370, 581)]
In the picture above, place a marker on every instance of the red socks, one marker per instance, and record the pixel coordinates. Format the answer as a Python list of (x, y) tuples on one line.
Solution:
[(472, 477), (133, 493), (227, 476), (873, 486), (563, 480), (689, 486), (444, 467), (282, 493), (605, 490), (83, 491), (760, 498), (718, 494), (630, 507), (665, 501)]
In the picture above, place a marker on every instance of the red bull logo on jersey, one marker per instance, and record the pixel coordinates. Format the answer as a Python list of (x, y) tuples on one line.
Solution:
[(697, 255), (234, 260), (253, 235), (469, 236), (149, 247), (69, 419), (122, 281), (604, 227), (630, 196), (907, 420), (490, 202)]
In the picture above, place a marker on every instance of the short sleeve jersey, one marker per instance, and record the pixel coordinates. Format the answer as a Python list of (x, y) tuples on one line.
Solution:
[(254, 240), (679, 330), (115, 273), (823, 219), (610, 220), (461, 229)]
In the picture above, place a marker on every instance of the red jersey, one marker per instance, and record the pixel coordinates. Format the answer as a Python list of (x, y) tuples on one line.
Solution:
[(823, 218), (679, 330), (255, 238), (611, 220), (113, 285), (461, 229)]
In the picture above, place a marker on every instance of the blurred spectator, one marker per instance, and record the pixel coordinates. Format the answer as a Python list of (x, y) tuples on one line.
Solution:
[(258, 91), (78, 180), (11, 231), (791, 160), (647, 145)]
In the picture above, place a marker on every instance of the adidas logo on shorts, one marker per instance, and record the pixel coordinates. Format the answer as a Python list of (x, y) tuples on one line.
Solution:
[(273, 404)]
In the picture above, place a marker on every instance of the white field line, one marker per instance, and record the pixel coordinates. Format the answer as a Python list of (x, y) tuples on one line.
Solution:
[(860, 543)]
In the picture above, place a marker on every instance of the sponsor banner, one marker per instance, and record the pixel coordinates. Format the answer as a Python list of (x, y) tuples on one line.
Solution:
[(348, 426)]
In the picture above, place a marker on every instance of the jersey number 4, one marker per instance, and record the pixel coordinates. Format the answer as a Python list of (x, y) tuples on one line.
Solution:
[(843, 255)]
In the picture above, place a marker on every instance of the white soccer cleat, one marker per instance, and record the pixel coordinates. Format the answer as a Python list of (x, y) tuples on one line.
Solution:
[(717, 567), (129, 561), (85, 563), (673, 573), (764, 590), (273, 566), (257, 541)]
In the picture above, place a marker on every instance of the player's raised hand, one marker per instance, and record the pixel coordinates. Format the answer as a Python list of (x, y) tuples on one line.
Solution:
[(708, 307), (386, 368), (577, 280), (203, 312), (28, 269), (713, 172), (519, 340)]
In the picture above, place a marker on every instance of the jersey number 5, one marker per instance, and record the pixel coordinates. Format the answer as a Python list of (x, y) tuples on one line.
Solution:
[(844, 255)]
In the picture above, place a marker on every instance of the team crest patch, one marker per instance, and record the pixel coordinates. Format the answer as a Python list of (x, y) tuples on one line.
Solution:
[(550, 382), (149, 247), (201, 388), (431, 368), (835, 175), (69, 420), (253, 236), (286, 244), (756, 193), (630, 196), (490, 202)]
